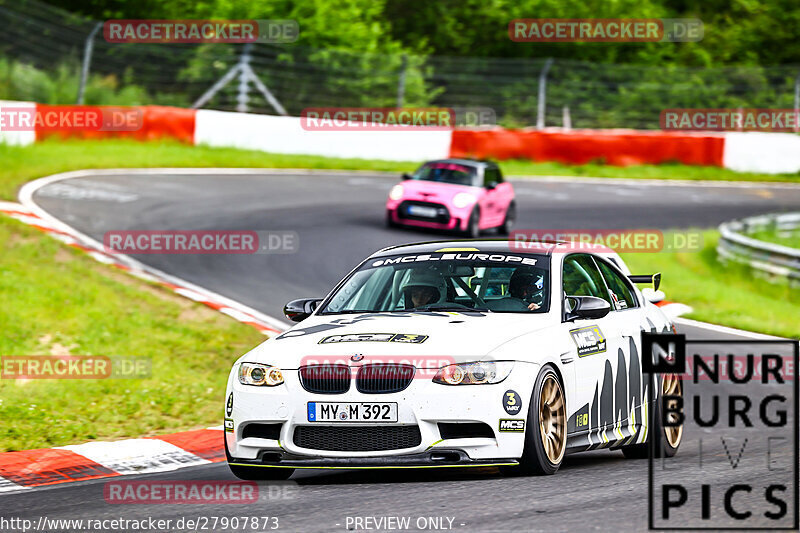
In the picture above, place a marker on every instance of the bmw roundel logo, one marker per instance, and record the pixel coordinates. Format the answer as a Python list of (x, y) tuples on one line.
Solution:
[(357, 357)]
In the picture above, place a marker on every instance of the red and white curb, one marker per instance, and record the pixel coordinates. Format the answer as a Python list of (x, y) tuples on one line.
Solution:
[(81, 462), (674, 309), (33, 468)]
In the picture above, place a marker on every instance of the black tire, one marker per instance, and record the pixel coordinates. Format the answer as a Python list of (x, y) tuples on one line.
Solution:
[(535, 459), (511, 217), (666, 446), (473, 231), (389, 222), (256, 473)]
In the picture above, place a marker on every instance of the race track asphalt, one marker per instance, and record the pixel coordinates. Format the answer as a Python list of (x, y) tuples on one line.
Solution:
[(339, 220)]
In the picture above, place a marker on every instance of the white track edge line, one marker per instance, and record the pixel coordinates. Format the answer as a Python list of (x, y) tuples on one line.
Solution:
[(26, 199), (344, 172), (723, 184), (726, 329)]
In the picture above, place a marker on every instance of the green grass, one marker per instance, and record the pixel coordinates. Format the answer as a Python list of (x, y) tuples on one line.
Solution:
[(22, 164), (789, 238), (666, 171), (729, 295), (56, 300)]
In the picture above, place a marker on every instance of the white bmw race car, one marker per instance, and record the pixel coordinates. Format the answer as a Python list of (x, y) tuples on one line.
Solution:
[(448, 354)]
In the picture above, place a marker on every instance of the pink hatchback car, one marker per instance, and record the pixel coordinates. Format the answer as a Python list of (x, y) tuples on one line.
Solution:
[(462, 195)]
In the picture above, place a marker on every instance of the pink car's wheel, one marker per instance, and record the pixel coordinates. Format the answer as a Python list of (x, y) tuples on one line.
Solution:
[(473, 230), (511, 217), (389, 222)]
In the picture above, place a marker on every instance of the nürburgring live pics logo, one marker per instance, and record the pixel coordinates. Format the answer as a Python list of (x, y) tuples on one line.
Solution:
[(737, 466)]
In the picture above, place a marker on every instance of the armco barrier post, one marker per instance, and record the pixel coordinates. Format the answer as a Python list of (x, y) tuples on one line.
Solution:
[(540, 104), (401, 82), (246, 75), (87, 59), (242, 96), (797, 102)]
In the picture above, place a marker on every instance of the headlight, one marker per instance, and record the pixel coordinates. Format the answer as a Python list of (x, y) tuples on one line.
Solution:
[(396, 193), (463, 199), (477, 373), (257, 374)]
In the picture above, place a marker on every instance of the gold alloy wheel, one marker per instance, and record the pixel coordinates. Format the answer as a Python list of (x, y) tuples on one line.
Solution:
[(552, 419), (671, 385)]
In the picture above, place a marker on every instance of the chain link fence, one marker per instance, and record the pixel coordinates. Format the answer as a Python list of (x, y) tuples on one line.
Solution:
[(46, 52)]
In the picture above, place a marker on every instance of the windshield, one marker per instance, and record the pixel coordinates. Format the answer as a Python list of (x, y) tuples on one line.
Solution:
[(463, 281), (446, 173)]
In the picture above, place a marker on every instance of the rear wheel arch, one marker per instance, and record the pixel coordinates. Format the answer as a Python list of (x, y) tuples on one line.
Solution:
[(668, 438)]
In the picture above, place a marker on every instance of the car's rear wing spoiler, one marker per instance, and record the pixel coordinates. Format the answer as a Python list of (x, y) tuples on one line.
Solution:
[(655, 279)]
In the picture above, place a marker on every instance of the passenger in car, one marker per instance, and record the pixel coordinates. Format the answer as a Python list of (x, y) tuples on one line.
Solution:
[(522, 286)]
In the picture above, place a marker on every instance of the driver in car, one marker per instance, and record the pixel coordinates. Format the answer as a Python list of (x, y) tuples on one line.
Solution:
[(423, 287), (523, 285)]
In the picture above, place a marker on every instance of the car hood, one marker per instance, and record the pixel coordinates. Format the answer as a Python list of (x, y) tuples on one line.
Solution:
[(461, 336), (433, 191)]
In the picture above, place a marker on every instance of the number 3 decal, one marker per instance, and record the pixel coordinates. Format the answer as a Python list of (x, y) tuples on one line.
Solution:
[(512, 402)]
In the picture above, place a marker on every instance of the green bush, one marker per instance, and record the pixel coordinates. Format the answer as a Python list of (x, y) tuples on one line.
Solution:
[(22, 81)]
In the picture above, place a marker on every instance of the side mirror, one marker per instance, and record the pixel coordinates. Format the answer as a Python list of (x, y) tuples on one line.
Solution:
[(587, 307), (299, 310), (406, 177), (653, 296), (491, 185)]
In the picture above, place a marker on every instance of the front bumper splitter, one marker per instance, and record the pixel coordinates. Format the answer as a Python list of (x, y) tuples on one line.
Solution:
[(437, 459)]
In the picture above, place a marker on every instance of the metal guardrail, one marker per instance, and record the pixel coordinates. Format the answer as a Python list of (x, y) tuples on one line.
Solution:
[(774, 259)]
